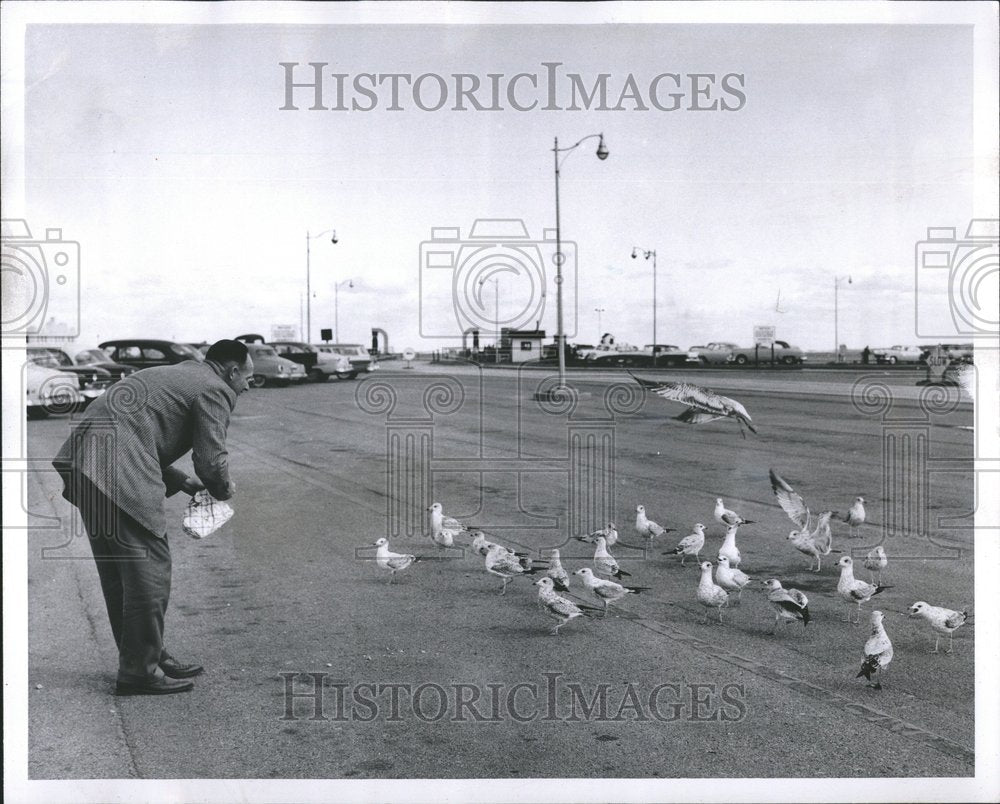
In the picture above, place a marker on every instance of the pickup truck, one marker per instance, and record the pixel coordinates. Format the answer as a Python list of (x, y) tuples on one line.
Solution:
[(783, 353), (900, 354)]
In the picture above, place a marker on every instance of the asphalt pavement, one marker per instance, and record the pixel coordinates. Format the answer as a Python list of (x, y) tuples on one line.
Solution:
[(437, 676)]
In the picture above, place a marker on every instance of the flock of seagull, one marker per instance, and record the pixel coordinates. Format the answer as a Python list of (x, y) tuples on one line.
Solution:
[(719, 586)]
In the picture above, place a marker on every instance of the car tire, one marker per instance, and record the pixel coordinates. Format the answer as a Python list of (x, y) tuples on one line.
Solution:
[(892, 360), (742, 360), (259, 381), (346, 375), (789, 360)]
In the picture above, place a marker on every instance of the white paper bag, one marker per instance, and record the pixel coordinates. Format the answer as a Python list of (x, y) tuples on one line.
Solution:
[(205, 514)]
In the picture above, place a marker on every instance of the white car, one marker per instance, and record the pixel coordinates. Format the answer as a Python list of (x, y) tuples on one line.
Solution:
[(49, 390), (899, 354)]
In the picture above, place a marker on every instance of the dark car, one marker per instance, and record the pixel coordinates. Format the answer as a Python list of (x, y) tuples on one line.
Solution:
[(93, 380), (100, 359), (144, 353)]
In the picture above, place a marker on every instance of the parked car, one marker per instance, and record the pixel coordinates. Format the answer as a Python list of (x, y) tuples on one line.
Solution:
[(783, 353), (145, 353), (716, 353), (50, 390), (100, 359), (958, 351), (92, 381), (900, 354), (668, 355), (319, 366), (269, 368), (360, 359)]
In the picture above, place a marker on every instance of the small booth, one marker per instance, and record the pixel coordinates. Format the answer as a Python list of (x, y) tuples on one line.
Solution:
[(522, 344)]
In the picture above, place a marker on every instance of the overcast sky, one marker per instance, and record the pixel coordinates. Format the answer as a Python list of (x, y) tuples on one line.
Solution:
[(163, 150)]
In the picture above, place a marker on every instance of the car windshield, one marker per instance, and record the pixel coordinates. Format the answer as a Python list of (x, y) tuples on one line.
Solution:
[(50, 358), (185, 351), (91, 356), (266, 351)]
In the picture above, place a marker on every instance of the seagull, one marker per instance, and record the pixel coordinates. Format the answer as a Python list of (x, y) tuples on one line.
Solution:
[(690, 545), (875, 562), (729, 548), (607, 591), (394, 562), (557, 607), (556, 573), (944, 621), (605, 563), (732, 580), (726, 517), (610, 534), (439, 521), (855, 517), (710, 594), (853, 590), (504, 564), (445, 537), (703, 405), (789, 604), (482, 546), (646, 527), (878, 652), (814, 537)]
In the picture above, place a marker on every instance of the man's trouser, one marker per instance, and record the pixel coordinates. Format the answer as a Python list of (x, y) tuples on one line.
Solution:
[(134, 567)]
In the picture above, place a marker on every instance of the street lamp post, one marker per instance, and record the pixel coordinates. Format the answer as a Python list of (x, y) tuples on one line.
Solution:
[(647, 254), (336, 308), (496, 313), (836, 314), (333, 239), (599, 310), (602, 154)]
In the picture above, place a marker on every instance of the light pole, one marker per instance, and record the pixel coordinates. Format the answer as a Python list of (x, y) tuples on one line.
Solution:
[(647, 254), (336, 312), (496, 313), (599, 310), (602, 154), (333, 239), (836, 314)]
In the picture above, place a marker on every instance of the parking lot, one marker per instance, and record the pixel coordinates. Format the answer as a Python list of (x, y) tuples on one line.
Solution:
[(289, 588)]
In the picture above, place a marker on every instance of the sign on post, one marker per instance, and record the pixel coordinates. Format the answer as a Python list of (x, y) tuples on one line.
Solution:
[(763, 335), (284, 332), (408, 356)]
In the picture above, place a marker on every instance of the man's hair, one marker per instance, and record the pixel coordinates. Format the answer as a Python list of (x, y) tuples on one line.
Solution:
[(227, 351)]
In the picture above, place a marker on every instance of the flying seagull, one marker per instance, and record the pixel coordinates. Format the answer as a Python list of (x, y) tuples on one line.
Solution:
[(703, 405)]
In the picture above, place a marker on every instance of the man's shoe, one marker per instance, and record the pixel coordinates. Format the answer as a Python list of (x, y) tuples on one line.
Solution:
[(171, 667), (153, 686)]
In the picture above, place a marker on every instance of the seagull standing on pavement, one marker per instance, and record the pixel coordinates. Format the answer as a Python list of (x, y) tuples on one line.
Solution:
[(610, 534), (482, 546), (855, 517), (726, 517), (556, 573), (875, 562), (710, 594), (814, 537), (607, 591), (729, 548), (788, 604), (647, 527), (703, 404), (690, 545), (944, 621), (557, 607), (853, 590), (878, 652), (439, 520), (730, 579), (605, 563), (504, 564), (394, 562)]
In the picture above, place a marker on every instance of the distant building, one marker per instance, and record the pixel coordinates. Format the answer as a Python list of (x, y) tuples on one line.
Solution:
[(522, 344)]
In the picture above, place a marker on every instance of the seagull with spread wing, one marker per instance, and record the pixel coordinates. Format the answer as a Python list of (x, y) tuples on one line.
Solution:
[(703, 404), (814, 537)]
